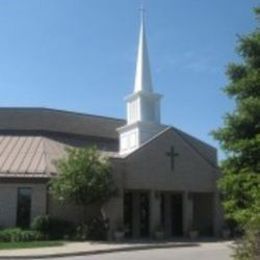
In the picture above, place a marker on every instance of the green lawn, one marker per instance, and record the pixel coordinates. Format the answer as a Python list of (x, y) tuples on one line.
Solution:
[(33, 244)]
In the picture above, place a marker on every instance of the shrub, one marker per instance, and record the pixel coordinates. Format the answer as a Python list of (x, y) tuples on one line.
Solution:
[(93, 229), (30, 235), (249, 246), (41, 224), (52, 228), (19, 235)]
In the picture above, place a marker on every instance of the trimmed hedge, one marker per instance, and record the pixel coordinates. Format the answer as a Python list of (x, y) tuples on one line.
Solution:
[(19, 235), (49, 228)]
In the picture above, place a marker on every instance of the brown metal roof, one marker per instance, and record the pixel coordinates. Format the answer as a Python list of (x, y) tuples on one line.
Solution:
[(29, 156)]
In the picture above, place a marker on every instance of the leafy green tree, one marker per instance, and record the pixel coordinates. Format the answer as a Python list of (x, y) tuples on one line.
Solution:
[(240, 135), (240, 139), (84, 178)]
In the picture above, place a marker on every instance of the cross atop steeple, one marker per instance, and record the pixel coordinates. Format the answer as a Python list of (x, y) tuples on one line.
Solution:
[(142, 11)]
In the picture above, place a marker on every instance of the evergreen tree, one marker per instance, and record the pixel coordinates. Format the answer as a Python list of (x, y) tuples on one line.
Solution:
[(240, 135)]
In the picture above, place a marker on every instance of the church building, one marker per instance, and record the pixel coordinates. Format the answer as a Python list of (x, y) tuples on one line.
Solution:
[(166, 177)]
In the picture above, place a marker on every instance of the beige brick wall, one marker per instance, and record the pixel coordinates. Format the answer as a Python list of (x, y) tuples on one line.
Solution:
[(8, 201), (149, 167)]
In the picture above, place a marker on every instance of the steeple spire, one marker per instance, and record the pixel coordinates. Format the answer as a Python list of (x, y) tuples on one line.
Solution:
[(143, 106), (143, 80)]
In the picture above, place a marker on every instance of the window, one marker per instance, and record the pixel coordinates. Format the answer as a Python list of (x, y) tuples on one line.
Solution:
[(132, 140), (23, 217)]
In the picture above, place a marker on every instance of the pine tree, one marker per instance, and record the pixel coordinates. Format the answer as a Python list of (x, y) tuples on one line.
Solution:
[(240, 139)]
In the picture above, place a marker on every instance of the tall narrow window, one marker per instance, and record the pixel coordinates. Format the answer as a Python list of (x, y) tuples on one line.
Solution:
[(24, 198)]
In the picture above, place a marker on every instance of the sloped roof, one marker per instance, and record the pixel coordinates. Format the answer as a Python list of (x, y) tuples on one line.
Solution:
[(205, 151), (51, 120), (31, 156), (28, 156)]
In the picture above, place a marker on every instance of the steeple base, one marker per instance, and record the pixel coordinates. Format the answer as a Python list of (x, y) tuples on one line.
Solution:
[(132, 136)]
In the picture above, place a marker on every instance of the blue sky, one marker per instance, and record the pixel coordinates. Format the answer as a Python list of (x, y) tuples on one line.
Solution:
[(80, 55)]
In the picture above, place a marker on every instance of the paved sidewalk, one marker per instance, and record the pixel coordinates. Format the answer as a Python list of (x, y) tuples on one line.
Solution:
[(88, 248)]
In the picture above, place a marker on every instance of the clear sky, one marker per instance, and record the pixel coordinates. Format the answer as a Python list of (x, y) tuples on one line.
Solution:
[(80, 55)]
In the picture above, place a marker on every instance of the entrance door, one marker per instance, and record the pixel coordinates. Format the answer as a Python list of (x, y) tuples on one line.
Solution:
[(128, 213), (144, 214), (136, 213), (176, 215)]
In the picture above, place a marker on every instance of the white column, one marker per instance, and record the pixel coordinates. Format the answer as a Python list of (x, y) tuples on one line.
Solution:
[(155, 211), (187, 212)]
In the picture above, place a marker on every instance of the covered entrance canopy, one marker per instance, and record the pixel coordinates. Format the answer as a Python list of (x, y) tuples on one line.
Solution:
[(173, 212)]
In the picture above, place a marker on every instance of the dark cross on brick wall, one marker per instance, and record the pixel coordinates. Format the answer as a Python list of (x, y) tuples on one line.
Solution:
[(172, 154)]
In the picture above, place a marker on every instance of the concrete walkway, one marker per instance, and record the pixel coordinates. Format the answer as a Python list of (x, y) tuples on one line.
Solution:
[(89, 248), (206, 251)]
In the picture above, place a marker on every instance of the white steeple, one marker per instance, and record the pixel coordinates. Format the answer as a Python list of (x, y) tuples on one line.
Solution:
[(143, 81), (143, 106)]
